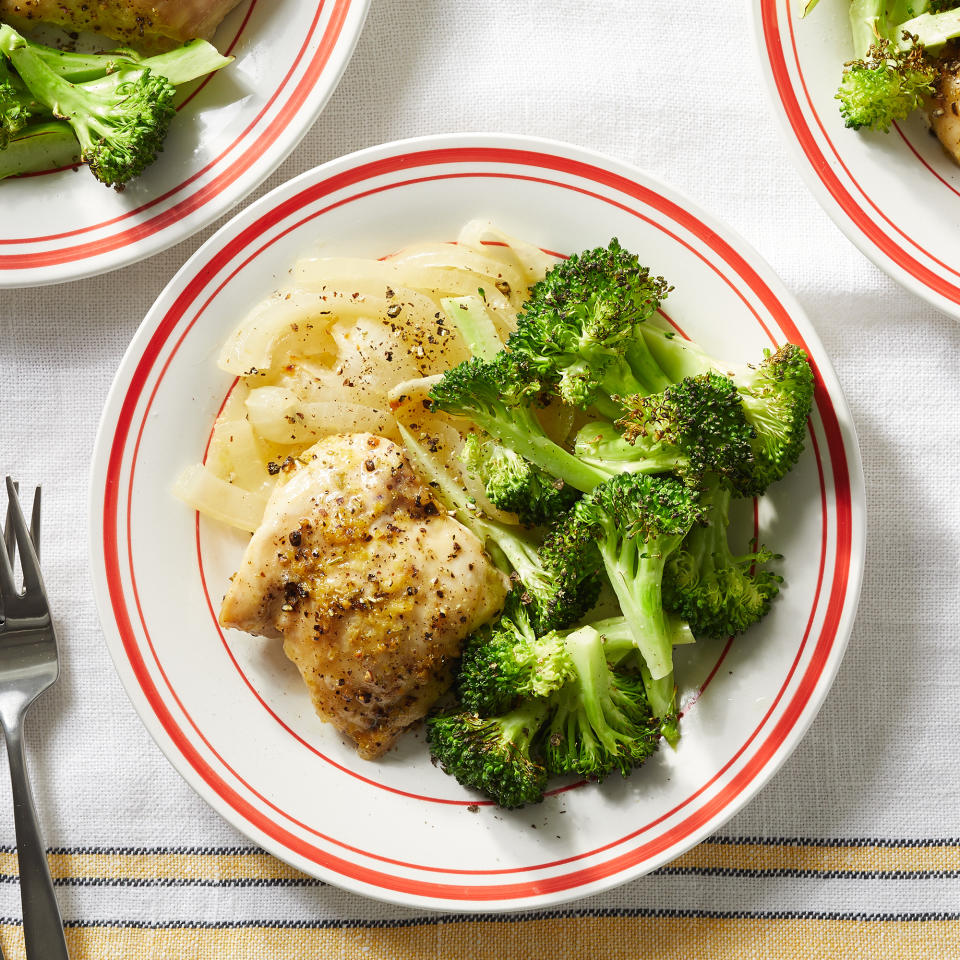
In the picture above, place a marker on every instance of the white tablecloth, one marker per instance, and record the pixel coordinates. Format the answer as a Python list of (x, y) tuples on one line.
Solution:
[(677, 90)]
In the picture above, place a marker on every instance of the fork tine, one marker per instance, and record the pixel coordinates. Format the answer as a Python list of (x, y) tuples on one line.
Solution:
[(29, 563), (35, 529), (8, 589), (9, 542)]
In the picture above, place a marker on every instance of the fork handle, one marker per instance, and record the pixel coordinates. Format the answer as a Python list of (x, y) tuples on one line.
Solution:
[(42, 926)]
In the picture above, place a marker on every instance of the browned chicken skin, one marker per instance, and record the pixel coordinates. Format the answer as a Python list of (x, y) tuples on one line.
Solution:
[(372, 586), (135, 22), (945, 108)]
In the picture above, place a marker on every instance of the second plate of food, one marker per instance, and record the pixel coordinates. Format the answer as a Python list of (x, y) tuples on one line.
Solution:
[(896, 195), (231, 130), (315, 317)]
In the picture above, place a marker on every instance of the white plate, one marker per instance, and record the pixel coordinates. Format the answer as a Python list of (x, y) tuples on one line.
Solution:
[(895, 195), (230, 134), (231, 713)]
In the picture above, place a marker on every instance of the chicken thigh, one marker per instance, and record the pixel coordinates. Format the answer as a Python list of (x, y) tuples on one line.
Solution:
[(371, 585), (155, 23), (945, 108)]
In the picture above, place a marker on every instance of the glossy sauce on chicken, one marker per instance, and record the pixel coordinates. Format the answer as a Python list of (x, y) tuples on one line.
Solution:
[(369, 582)]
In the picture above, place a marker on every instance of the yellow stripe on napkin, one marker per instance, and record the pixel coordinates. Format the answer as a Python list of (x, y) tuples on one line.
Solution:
[(613, 938)]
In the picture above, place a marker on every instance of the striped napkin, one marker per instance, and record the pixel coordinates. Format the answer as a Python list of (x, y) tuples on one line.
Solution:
[(853, 850)]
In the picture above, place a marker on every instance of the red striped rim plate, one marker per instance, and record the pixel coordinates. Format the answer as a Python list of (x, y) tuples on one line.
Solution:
[(231, 132), (896, 195), (230, 712)]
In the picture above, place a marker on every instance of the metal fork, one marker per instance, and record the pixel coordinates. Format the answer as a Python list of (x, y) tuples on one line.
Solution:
[(28, 665)]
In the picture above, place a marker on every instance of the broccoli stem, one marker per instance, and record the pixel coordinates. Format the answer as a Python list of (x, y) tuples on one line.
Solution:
[(188, 62), (635, 570), (603, 447), (41, 146), (62, 97), (470, 317), (676, 358), (932, 30), (592, 688), (522, 724), (617, 380), (867, 22), (646, 369), (661, 696), (79, 67), (706, 544), (524, 435)]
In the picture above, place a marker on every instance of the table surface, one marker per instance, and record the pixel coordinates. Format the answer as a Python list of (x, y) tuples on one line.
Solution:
[(853, 848)]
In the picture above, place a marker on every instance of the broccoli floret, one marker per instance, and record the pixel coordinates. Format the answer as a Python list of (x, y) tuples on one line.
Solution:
[(693, 427), (493, 754), (119, 120), (579, 322), (590, 717), (629, 526), (559, 592), (884, 86), (497, 395), (776, 394), (601, 720), (506, 660), (119, 117), (515, 484), (717, 593)]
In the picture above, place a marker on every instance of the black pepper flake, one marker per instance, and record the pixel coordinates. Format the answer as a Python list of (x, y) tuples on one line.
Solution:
[(273, 468), (295, 538), (394, 310), (369, 465)]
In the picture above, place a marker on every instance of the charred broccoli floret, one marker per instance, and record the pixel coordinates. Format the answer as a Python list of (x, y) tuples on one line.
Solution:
[(718, 593), (494, 755), (119, 120), (593, 719), (693, 427), (886, 85), (579, 323), (506, 660), (119, 113), (776, 394), (515, 484)]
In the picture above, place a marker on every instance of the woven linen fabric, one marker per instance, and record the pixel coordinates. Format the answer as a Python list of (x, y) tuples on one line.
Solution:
[(853, 849)]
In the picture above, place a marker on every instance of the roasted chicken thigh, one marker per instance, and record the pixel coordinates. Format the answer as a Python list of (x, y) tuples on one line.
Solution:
[(135, 22), (369, 582)]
